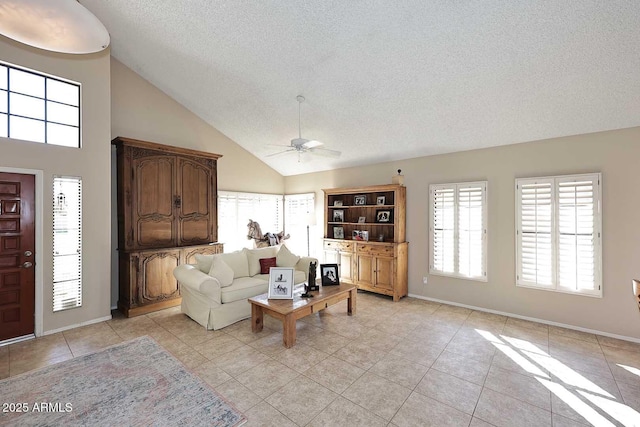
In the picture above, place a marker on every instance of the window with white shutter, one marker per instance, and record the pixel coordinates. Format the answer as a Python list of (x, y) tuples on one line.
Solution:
[(558, 229), (235, 209), (67, 243), (458, 230), (299, 215)]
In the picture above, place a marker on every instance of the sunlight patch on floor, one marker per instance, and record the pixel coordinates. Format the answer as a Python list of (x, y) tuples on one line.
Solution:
[(576, 404), (631, 369), (567, 384)]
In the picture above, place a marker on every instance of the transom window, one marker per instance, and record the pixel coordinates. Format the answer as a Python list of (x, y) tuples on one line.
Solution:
[(35, 107), (558, 229)]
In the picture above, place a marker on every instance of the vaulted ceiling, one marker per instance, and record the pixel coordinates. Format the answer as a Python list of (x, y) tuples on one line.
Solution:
[(386, 80)]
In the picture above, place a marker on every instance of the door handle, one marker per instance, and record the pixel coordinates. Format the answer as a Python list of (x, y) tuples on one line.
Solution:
[(28, 253), (27, 265)]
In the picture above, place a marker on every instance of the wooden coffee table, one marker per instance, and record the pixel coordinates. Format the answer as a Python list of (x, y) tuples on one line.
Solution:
[(291, 310)]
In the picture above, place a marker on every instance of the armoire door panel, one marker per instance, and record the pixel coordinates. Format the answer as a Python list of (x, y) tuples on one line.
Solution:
[(154, 202), (195, 190), (196, 210), (155, 186), (157, 281), (194, 230), (153, 233)]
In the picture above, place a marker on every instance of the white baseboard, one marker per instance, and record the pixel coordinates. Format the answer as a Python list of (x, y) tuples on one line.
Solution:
[(531, 319), (77, 325)]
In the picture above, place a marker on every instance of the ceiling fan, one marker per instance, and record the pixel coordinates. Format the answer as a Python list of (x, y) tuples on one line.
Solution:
[(302, 145)]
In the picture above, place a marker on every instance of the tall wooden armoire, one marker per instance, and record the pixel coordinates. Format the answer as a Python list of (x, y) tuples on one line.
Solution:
[(167, 213)]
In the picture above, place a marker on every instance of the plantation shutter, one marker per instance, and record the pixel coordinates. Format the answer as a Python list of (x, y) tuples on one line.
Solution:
[(471, 231), (228, 231), (577, 234), (443, 229), (299, 212), (559, 233), (67, 243), (535, 232)]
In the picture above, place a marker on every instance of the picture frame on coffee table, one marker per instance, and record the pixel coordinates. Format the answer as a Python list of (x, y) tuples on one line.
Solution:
[(280, 283), (329, 274)]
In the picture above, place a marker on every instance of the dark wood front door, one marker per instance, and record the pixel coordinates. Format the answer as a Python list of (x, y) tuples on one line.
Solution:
[(17, 255)]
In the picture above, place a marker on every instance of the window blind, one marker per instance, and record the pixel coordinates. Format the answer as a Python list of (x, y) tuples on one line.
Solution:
[(67, 243), (558, 233)]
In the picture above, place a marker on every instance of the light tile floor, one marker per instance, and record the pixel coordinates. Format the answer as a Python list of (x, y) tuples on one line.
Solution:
[(409, 363)]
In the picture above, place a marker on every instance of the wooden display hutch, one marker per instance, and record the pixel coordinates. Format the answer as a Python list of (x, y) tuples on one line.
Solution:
[(364, 233), (167, 213)]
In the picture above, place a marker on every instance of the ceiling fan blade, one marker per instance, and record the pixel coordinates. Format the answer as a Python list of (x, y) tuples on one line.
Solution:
[(312, 144), (325, 152), (292, 150), (278, 145)]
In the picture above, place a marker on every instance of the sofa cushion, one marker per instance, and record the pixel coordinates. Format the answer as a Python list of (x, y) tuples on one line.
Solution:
[(237, 261), (220, 270), (254, 256), (285, 258), (203, 262), (243, 288), (266, 264)]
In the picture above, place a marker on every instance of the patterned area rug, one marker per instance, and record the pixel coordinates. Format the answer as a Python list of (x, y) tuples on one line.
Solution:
[(134, 383)]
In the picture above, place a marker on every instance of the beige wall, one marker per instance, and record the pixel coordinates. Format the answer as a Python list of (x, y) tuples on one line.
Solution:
[(140, 110), (614, 153), (91, 163)]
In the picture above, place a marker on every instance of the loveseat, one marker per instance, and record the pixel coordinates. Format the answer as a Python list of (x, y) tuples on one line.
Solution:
[(215, 290)]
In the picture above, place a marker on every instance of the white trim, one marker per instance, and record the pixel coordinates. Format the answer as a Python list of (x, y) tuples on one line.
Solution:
[(39, 306), (77, 325), (17, 340), (531, 319)]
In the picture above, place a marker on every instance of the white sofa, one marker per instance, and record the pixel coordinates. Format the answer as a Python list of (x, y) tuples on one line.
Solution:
[(215, 290)]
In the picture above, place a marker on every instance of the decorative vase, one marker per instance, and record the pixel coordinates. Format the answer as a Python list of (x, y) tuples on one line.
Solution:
[(636, 290), (398, 179)]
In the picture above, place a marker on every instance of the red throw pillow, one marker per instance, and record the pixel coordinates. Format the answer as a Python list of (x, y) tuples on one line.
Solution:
[(266, 264)]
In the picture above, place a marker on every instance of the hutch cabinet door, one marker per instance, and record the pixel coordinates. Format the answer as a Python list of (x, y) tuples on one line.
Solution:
[(153, 188), (384, 273), (364, 270), (196, 204)]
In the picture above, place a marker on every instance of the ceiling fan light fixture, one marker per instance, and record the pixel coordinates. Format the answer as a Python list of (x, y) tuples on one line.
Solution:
[(63, 26)]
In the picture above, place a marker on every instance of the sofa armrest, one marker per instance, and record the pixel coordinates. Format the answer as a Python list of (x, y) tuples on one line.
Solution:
[(303, 264), (190, 276)]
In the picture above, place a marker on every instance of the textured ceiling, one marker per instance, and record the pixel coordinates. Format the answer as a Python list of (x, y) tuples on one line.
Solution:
[(386, 80)]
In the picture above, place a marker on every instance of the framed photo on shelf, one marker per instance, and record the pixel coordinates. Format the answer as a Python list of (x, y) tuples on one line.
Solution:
[(384, 215), (360, 235), (380, 200), (280, 283), (338, 233), (338, 215), (329, 274), (362, 219), (337, 203), (360, 200)]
